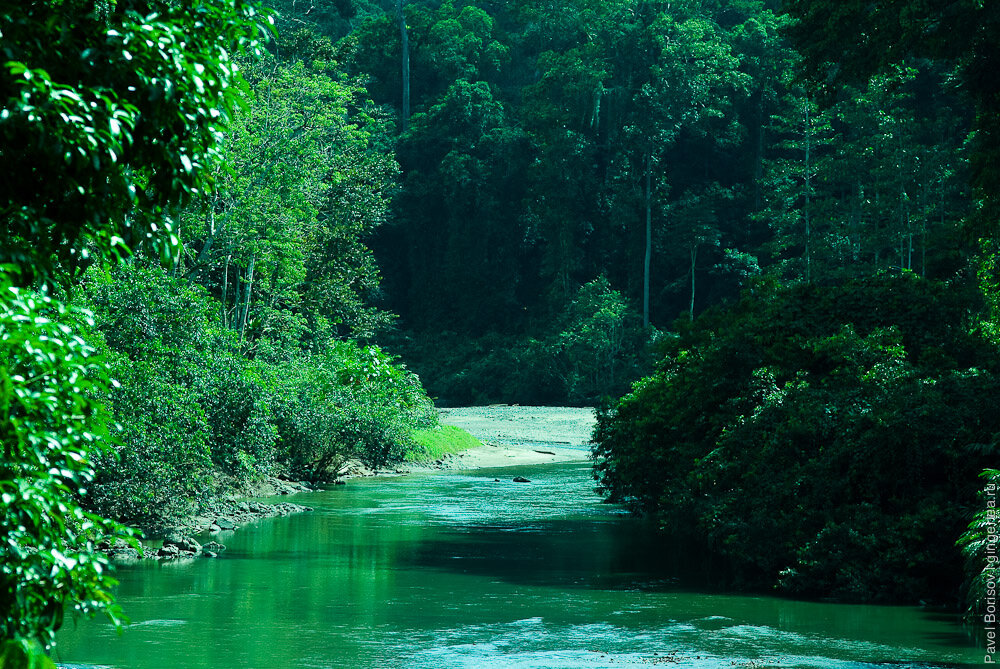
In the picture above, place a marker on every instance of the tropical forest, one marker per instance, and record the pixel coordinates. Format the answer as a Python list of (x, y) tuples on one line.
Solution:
[(499, 333)]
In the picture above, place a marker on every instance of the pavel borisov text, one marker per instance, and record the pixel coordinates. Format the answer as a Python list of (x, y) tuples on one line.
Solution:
[(990, 573)]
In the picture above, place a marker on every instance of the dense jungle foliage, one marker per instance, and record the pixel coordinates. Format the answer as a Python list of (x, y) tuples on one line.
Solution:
[(218, 219), (825, 440)]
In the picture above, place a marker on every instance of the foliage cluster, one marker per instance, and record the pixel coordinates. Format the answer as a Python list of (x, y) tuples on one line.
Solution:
[(111, 113), (52, 426), (825, 439), (199, 416), (979, 546), (590, 352)]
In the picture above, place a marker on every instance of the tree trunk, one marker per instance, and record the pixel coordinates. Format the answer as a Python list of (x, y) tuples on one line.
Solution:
[(649, 241), (405, 48), (694, 260), (225, 292), (808, 187), (758, 169), (248, 292)]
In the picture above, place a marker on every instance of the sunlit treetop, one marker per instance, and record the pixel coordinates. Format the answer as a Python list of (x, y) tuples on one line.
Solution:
[(112, 112)]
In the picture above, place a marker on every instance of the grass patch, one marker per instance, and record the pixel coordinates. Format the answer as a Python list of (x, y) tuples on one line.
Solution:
[(441, 440)]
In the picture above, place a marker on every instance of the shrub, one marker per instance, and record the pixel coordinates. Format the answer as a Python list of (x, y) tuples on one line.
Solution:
[(826, 440), (163, 458), (352, 402)]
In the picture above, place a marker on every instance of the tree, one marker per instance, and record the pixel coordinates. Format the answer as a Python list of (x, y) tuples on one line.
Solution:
[(52, 424), (792, 207), (111, 115), (281, 240), (404, 40), (686, 90), (696, 220), (848, 42)]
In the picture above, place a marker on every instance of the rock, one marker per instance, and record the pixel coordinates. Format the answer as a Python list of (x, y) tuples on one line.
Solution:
[(225, 523), (121, 550), (354, 467), (213, 528), (210, 554), (168, 551), (183, 543), (213, 547), (521, 479), (125, 554), (172, 536), (188, 545)]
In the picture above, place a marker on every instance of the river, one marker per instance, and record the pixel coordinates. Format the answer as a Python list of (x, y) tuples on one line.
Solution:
[(455, 569)]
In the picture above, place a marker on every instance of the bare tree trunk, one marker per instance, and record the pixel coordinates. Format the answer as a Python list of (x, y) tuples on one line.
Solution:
[(649, 241), (857, 206), (694, 260), (808, 188), (909, 241), (246, 302), (225, 292), (405, 44), (758, 169)]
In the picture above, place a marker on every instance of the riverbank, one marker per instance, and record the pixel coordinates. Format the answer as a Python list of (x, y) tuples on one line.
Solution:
[(512, 436), (517, 436), (214, 520)]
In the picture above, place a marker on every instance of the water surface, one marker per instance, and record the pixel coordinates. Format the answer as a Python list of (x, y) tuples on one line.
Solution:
[(458, 570)]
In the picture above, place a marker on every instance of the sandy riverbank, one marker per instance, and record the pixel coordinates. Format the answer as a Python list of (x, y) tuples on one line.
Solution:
[(520, 435)]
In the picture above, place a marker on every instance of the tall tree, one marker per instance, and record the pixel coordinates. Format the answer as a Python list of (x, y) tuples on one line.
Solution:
[(686, 90), (849, 41), (404, 41)]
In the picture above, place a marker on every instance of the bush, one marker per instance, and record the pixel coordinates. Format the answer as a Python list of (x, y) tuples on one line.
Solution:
[(353, 402), (187, 391), (163, 459), (826, 440)]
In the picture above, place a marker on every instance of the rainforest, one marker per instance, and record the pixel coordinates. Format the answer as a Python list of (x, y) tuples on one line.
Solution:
[(252, 248)]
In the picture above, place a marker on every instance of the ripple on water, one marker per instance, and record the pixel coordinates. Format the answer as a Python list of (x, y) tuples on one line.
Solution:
[(533, 643), (158, 622)]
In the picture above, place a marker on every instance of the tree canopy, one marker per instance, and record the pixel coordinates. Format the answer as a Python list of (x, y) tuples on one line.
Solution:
[(112, 113)]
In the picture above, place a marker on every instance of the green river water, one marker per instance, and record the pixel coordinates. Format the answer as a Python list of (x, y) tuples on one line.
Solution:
[(456, 570)]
